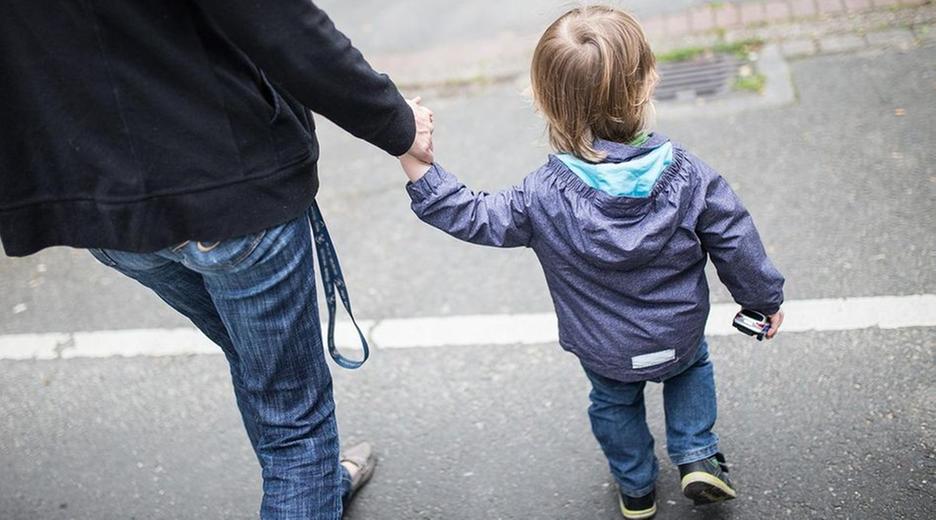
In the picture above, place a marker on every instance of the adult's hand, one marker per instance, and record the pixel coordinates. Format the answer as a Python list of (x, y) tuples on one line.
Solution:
[(422, 144)]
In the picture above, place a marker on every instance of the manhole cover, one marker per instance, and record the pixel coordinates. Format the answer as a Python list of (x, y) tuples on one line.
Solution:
[(702, 77)]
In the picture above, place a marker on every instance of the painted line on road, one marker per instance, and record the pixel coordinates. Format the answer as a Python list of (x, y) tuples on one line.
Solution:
[(885, 312)]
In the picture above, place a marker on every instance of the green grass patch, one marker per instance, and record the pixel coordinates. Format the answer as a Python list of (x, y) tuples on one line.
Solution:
[(684, 54), (752, 83), (739, 49)]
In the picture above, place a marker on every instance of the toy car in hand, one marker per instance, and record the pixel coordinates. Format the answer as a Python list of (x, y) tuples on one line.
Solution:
[(752, 323)]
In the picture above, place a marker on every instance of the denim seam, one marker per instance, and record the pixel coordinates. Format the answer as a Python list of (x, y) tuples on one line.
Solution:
[(104, 258), (637, 493), (694, 455), (251, 249)]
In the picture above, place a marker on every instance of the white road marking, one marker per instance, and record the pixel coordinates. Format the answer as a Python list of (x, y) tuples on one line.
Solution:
[(886, 312)]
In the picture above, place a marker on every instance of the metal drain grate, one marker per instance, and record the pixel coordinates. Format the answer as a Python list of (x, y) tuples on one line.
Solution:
[(702, 77)]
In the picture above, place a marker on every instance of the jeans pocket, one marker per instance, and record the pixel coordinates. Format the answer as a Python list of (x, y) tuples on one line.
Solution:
[(220, 255)]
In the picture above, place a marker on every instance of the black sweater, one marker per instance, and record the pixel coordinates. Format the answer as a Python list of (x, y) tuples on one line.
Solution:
[(136, 125)]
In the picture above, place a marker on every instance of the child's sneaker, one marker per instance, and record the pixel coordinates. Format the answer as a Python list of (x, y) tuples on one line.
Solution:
[(706, 481), (638, 508)]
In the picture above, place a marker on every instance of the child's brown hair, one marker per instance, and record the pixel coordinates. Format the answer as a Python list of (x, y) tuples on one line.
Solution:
[(593, 75)]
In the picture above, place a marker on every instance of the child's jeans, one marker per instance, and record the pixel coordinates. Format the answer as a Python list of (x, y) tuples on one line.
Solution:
[(619, 422)]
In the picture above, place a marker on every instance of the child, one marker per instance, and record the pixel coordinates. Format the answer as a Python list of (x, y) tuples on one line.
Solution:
[(622, 221)]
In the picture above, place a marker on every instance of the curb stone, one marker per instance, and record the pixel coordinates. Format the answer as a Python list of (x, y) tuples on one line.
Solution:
[(899, 38), (841, 43), (798, 48)]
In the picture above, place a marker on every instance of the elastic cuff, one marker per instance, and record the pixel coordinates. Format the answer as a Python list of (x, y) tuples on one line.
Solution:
[(427, 184), (767, 308), (694, 455), (771, 311)]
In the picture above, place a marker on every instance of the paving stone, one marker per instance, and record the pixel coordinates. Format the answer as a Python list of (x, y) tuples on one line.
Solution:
[(841, 43), (777, 11), (702, 19), (803, 8), (856, 6), (655, 26), (752, 13), (899, 38), (726, 16), (797, 48), (885, 3), (677, 24), (830, 6)]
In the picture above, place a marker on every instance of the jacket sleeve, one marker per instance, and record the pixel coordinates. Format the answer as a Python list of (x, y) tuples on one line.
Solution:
[(727, 233), (298, 47), (500, 219)]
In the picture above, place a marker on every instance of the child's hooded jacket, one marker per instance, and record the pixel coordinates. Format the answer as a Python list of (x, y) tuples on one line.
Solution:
[(626, 274)]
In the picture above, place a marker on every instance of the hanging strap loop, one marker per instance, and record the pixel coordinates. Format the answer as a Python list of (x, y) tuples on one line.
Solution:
[(333, 283)]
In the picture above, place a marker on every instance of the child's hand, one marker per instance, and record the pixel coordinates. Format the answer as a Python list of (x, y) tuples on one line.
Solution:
[(414, 168), (775, 321)]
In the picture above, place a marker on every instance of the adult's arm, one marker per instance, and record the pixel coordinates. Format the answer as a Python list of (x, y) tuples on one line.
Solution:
[(298, 47)]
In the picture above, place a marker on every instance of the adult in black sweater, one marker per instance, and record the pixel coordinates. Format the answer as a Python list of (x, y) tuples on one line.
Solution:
[(174, 140)]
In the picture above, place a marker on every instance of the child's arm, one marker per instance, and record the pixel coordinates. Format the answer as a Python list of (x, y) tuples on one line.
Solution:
[(727, 233), (498, 219), (413, 167)]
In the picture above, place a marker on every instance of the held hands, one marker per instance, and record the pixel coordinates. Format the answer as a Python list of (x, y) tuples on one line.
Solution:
[(417, 161), (422, 145)]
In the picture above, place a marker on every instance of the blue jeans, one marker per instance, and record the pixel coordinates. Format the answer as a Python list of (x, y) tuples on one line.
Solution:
[(255, 297), (618, 420)]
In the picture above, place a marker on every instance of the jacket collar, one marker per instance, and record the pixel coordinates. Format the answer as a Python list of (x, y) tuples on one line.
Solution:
[(619, 152)]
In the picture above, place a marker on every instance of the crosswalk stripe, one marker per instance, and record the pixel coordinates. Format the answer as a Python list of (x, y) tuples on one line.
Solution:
[(836, 314)]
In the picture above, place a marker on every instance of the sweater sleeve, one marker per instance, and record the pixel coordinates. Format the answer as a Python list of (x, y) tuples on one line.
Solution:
[(298, 47), (727, 233), (500, 219)]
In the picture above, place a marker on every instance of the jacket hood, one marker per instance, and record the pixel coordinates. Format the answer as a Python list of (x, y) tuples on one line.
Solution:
[(620, 213)]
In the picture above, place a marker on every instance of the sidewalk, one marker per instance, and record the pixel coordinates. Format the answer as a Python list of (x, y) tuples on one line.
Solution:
[(801, 27)]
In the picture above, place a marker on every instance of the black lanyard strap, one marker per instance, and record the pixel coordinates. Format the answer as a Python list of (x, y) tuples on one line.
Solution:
[(333, 282)]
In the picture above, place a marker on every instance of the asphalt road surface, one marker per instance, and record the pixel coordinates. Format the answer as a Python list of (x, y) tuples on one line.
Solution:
[(826, 424)]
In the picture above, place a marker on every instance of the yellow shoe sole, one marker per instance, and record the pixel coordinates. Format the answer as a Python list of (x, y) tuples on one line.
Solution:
[(637, 515), (705, 488)]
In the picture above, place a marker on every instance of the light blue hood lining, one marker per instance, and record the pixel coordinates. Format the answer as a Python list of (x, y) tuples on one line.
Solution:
[(633, 178)]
